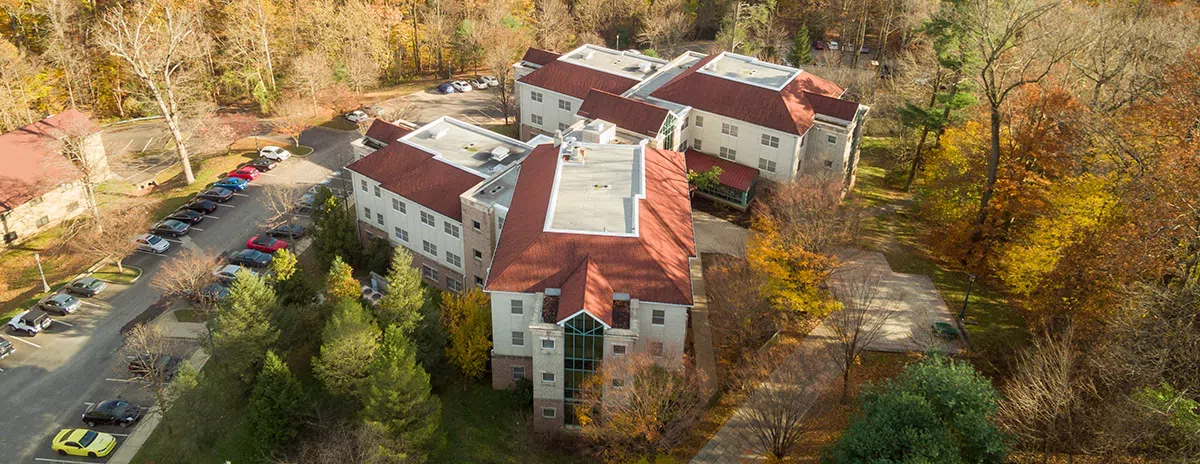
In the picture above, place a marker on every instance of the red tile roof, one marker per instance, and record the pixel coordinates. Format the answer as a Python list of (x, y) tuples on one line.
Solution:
[(538, 56), (30, 165), (414, 174), (586, 289), (835, 107), (575, 80), (788, 110), (631, 115), (651, 267), (386, 132), (738, 176)]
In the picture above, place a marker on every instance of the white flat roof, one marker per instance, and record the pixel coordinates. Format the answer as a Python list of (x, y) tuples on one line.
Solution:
[(600, 195), (750, 70), (467, 146), (630, 63)]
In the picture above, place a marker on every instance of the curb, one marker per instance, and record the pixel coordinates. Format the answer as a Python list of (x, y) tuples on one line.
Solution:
[(131, 282)]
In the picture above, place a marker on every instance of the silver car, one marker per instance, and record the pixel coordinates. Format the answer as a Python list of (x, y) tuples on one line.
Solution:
[(61, 304)]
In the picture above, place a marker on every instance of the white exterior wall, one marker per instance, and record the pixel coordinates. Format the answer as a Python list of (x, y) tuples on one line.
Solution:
[(548, 108), (504, 323), (671, 334), (410, 221), (547, 361), (818, 150), (748, 143)]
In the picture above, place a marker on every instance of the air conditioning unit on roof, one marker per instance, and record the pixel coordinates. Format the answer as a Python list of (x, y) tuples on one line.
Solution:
[(644, 66), (499, 153), (439, 133)]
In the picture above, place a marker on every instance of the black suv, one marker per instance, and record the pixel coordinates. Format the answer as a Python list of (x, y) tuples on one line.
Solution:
[(187, 216), (201, 205), (112, 412)]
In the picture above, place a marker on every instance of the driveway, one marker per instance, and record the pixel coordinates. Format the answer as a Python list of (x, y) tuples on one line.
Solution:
[(716, 235), (48, 381)]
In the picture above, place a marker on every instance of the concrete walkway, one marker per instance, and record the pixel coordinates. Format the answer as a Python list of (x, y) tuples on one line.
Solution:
[(915, 302), (716, 235), (706, 360)]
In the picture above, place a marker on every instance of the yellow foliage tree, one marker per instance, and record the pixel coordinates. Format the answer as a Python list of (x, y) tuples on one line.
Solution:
[(467, 318), (340, 283)]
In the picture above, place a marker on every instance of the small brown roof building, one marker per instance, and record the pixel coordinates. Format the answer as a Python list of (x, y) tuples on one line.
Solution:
[(31, 165)]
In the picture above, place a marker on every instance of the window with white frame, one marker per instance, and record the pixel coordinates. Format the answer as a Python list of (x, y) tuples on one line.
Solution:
[(427, 219), (696, 144), (564, 105), (618, 350), (429, 248), (518, 338), (536, 119), (429, 272), (451, 229), (453, 259), (685, 123), (402, 235), (729, 129), (454, 285), (547, 377), (699, 121), (478, 255), (535, 96), (399, 206), (766, 165), (377, 192), (831, 138), (518, 307), (728, 153), (549, 413), (562, 127), (367, 213), (547, 343), (379, 218), (658, 317), (770, 141), (656, 348), (518, 372), (364, 184)]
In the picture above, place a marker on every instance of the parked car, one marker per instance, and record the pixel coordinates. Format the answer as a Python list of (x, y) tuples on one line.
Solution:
[(357, 116), (865, 50), (31, 322), (112, 412), (265, 243), (250, 258), (235, 184), (247, 173), (461, 86), (491, 81), (213, 292), (446, 88), (163, 365), (833, 45), (228, 272), (262, 164), (216, 194), (272, 152), (152, 243), (818, 45), (83, 442), (170, 227), (201, 205), (290, 230), (187, 216), (478, 83), (86, 286), (61, 304), (6, 348), (305, 203)]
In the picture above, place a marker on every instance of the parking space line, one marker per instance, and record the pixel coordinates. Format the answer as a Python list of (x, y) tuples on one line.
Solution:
[(56, 321), (174, 241), (57, 460), (118, 434), (110, 379), (35, 345), (224, 205), (197, 228), (267, 174), (240, 195), (94, 305), (160, 255), (1, 370), (88, 404), (465, 115), (211, 217)]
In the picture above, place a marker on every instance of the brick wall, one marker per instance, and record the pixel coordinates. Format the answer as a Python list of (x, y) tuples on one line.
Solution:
[(543, 423), (483, 240), (366, 231), (502, 366)]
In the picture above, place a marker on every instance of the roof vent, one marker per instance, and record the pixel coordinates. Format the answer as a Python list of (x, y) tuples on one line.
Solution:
[(499, 153), (495, 190), (644, 66), (439, 133), (589, 54)]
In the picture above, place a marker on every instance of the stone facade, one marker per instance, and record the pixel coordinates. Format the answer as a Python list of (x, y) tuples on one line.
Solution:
[(366, 232), (503, 376), (542, 408), (26, 220)]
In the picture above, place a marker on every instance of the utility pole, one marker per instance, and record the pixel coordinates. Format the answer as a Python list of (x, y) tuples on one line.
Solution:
[(45, 286), (963, 313)]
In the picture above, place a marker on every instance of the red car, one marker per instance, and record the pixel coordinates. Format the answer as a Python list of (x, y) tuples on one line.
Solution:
[(819, 45), (245, 172), (265, 243)]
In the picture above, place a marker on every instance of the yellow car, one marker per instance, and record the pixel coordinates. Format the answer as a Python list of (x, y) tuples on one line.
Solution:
[(83, 442)]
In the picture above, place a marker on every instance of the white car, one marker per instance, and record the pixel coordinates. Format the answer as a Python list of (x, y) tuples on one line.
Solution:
[(356, 116), (30, 322), (479, 83), (151, 243), (228, 273), (491, 81), (274, 153), (461, 86), (833, 45)]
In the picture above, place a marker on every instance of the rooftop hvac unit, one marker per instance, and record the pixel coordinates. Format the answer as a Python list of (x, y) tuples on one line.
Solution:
[(644, 67), (589, 54), (439, 133), (499, 153)]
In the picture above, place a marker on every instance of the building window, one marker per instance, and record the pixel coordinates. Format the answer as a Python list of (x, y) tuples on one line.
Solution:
[(453, 259), (536, 119), (583, 351), (619, 350), (547, 377), (728, 153), (367, 213), (518, 338), (549, 413), (451, 229), (399, 205), (364, 185), (685, 123), (699, 121), (379, 218), (770, 141), (535, 96), (429, 273), (500, 224), (518, 372), (564, 105), (478, 254), (43, 221), (427, 219), (479, 281), (828, 164), (656, 348), (696, 144), (658, 317), (729, 129), (562, 127), (476, 225), (402, 235), (547, 343), (766, 165), (518, 307), (429, 248), (454, 285), (377, 193), (831, 138)]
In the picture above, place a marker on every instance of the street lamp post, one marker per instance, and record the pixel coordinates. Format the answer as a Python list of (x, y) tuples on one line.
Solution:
[(45, 286), (962, 314)]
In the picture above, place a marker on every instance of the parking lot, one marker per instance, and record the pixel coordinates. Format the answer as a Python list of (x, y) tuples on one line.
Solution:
[(46, 384), (477, 106)]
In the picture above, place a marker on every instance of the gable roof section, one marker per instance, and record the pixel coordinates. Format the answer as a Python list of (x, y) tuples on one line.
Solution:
[(575, 80), (651, 267), (631, 115), (832, 107), (788, 110), (738, 176), (538, 56), (414, 174), (586, 289), (386, 132), (29, 164)]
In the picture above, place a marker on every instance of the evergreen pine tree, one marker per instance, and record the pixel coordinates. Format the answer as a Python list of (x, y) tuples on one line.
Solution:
[(397, 392), (241, 332), (348, 344), (276, 404), (401, 306), (340, 284), (800, 53)]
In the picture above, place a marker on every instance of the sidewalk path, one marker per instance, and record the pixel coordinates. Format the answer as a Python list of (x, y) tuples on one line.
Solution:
[(716, 235), (706, 361), (129, 449)]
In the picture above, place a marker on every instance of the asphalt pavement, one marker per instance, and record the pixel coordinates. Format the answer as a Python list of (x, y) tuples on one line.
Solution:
[(49, 381)]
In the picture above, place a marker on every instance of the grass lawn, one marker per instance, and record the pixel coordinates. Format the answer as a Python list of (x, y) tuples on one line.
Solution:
[(339, 122), (20, 282), (110, 273), (215, 431), (190, 315)]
